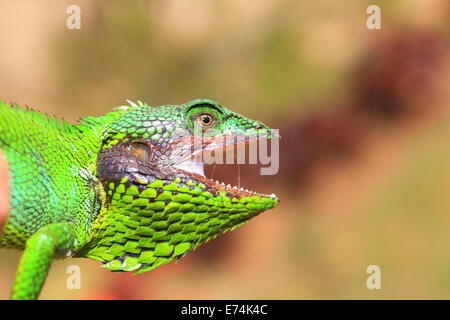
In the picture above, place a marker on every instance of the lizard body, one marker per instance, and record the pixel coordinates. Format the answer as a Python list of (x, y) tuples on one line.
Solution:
[(124, 188)]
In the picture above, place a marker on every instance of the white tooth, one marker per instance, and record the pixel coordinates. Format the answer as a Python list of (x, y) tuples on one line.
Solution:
[(228, 186)]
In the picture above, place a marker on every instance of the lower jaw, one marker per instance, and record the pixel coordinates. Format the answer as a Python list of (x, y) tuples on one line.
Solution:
[(235, 191)]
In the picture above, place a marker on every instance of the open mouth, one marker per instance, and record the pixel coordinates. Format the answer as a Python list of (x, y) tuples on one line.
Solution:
[(194, 165)]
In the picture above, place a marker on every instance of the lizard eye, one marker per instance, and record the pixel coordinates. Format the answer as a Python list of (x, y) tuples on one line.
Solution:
[(140, 150), (206, 120)]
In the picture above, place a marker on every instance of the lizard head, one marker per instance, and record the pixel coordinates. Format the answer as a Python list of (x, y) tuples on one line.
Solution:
[(160, 204)]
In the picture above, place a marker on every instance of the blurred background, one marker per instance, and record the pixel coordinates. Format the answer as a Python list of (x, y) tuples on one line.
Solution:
[(363, 114)]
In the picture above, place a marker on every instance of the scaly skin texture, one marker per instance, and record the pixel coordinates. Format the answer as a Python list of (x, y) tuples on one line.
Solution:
[(121, 188)]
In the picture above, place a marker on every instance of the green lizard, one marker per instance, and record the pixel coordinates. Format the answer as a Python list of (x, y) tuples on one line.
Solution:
[(126, 189)]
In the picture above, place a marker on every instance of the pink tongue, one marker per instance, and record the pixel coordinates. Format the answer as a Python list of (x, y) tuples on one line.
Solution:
[(193, 166)]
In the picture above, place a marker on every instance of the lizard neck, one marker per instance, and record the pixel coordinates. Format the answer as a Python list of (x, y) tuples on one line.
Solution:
[(53, 174)]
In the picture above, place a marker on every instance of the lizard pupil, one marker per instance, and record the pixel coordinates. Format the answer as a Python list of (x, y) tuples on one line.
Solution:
[(206, 120)]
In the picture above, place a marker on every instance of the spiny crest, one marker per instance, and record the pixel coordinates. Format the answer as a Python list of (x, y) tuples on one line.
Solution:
[(46, 119), (109, 117), (138, 104), (83, 124), (92, 121), (131, 105)]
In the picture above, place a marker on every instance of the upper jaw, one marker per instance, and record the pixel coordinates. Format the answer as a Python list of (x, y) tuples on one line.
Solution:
[(189, 151)]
